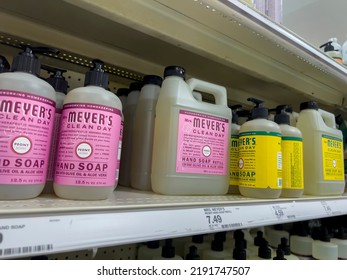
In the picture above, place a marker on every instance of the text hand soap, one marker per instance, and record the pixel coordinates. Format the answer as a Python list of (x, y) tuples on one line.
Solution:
[(27, 108), (191, 138), (260, 155), (88, 140)]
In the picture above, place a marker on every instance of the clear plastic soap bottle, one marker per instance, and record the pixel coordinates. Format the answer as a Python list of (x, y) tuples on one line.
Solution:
[(260, 155), (27, 106), (90, 126), (58, 82), (143, 132), (128, 129)]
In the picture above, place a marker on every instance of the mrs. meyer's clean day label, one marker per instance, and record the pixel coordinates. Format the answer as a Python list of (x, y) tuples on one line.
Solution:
[(88, 145), (202, 145), (25, 134)]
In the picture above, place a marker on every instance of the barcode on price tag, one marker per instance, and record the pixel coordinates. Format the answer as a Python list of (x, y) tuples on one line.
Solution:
[(8, 252)]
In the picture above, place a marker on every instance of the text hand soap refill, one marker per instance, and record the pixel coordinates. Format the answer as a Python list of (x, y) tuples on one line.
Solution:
[(323, 151), (88, 139), (58, 82), (27, 104), (191, 138), (260, 155)]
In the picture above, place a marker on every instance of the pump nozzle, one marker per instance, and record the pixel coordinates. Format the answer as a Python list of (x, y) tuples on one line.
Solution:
[(258, 103), (27, 61), (4, 64), (96, 76), (234, 109), (56, 79), (259, 111), (328, 47)]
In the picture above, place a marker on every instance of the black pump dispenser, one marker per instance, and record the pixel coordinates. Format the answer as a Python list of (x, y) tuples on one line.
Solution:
[(239, 252), (279, 255), (259, 111), (168, 251), (328, 47), (27, 61), (4, 64), (193, 253), (56, 80), (282, 117), (234, 109), (97, 76)]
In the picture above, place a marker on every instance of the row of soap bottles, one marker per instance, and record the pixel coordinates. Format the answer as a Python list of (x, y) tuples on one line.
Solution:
[(92, 103), (333, 49), (272, 242), (222, 246), (317, 129)]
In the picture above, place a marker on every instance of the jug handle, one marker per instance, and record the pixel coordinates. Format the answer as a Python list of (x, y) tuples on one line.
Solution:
[(219, 92), (328, 118)]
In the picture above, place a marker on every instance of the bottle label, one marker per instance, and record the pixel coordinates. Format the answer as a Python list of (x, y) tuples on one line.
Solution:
[(234, 160), (202, 145), (292, 162), (260, 160), (332, 151), (88, 145), (53, 152), (26, 124)]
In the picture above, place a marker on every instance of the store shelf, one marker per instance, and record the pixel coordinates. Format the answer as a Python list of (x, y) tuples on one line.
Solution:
[(223, 41), (51, 225)]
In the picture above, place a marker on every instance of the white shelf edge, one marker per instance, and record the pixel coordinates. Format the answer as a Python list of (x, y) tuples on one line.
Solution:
[(94, 227)]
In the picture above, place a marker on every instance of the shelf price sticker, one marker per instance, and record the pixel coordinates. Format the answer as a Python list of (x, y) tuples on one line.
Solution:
[(326, 207), (282, 212), (221, 218)]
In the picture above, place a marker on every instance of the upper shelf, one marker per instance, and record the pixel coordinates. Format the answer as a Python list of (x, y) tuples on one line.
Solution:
[(222, 41)]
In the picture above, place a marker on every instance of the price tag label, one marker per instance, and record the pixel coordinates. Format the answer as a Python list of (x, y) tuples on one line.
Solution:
[(279, 211), (326, 207), (221, 218)]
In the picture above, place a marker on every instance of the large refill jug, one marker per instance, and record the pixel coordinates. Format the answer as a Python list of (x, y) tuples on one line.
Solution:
[(191, 138), (323, 151)]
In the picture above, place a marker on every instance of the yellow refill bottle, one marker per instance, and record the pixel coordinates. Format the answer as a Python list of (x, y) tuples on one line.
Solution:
[(260, 156), (323, 151), (292, 156)]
